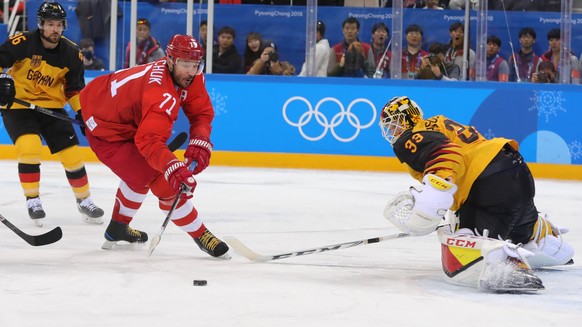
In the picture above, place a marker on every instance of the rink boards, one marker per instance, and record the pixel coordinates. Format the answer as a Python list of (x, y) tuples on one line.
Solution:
[(332, 123)]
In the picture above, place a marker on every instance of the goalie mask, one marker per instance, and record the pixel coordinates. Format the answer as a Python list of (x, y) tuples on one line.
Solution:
[(398, 115)]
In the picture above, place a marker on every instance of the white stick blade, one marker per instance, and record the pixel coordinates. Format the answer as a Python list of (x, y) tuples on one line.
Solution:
[(153, 243), (243, 250)]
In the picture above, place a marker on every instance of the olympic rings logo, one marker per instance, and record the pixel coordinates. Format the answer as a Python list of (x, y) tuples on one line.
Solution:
[(327, 124)]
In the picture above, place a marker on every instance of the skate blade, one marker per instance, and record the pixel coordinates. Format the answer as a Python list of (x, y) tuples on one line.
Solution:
[(92, 221), (121, 245), (38, 222), (225, 256)]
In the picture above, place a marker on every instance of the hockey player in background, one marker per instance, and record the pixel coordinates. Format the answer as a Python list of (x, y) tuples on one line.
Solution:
[(48, 71), (129, 115), (497, 235)]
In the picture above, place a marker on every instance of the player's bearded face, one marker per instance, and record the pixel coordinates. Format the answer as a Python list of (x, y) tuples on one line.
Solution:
[(185, 71), (52, 30)]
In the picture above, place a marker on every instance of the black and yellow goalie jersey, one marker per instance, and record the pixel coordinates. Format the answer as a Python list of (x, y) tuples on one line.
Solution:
[(45, 77), (439, 145)]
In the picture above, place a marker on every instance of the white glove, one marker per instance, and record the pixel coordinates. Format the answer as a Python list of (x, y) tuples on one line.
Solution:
[(431, 203)]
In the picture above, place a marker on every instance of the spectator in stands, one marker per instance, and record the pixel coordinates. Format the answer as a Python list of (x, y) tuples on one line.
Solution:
[(11, 3), (546, 73), (553, 56), (361, 3), (148, 48), (434, 66), (525, 59), (497, 68), (203, 34), (460, 4), (225, 57), (322, 52), (350, 29), (525, 5), (252, 50), (352, 63), (94, 18), (269, 64), (379, 51), (412, 55), (405, 3), (90, 62), (455, 53), (432, 4)]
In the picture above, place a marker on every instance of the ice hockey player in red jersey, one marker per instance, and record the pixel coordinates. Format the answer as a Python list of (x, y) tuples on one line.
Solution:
[(129, 116), (497, 236)]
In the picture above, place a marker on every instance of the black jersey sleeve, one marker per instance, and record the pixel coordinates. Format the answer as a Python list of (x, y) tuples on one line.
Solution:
[(418, 149)]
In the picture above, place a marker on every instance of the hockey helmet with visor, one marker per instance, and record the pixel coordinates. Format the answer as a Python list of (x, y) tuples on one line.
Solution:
[(398, 115)]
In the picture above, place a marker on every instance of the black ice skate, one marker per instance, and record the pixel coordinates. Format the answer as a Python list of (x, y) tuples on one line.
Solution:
[(89, 211), (35, 211), (118, 232), (212, 245)]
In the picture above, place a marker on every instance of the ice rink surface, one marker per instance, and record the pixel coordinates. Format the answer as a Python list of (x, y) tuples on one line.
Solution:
[(394, 283)]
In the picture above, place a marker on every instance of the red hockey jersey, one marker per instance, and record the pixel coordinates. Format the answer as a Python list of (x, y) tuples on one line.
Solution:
[(141, 104)]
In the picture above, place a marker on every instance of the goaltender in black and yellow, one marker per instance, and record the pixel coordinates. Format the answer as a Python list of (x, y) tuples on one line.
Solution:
[(45, 69)]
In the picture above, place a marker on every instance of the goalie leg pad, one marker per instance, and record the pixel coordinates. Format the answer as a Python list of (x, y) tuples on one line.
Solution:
[(487, 264), (548, 246)]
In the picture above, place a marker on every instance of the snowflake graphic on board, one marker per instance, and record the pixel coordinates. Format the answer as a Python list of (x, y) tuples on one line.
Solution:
[(218, 102), (489, 134), (575, 149), (548, 103)]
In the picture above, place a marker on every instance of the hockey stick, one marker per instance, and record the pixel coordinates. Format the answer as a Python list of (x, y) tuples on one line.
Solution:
[(49, 112), (178, 141), (35, 240), (246, 252), (158, 237)]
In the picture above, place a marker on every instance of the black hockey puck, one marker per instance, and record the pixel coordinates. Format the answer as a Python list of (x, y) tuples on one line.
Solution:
[(200, 282)]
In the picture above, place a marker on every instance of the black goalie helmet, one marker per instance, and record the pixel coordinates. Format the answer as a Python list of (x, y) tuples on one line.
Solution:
[(51, 10)]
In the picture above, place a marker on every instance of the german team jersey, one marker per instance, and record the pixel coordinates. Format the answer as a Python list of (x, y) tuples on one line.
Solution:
[(439, 145), (45, 77)]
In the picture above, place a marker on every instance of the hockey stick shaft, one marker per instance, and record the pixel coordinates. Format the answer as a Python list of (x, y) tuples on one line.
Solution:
[(35, 240), (246, 252), (48, 112), (178, 141), (158, 237)]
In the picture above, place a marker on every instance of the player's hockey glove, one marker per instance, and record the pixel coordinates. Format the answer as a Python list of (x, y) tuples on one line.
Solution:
[(178, 174), (199, 150), (7, 90), (79, 117)]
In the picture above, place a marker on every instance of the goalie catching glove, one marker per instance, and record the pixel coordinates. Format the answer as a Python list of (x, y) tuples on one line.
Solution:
[(420, 210)]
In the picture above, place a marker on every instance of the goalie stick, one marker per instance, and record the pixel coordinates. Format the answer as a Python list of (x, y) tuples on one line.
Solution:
[(246, 252), (35, 240)]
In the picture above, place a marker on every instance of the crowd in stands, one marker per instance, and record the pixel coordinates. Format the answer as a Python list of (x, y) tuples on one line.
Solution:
[(352, 57)]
